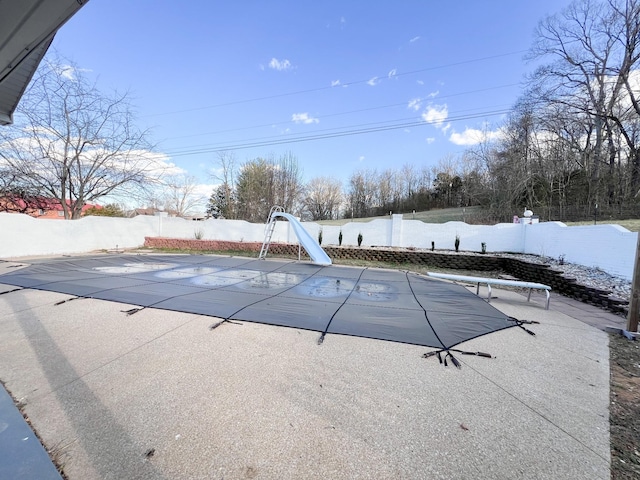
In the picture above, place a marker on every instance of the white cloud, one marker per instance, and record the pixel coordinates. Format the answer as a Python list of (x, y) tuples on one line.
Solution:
[(625, 101), (434, 94), (419, 82), (414, 39), (205, 189), (373, 82), (68, 72), (473, 136), (415, 104), (436, 114), (335, 83), (282, 131), (361, 158), (280, 65), (304, 118), (392, 73), (430, 140)]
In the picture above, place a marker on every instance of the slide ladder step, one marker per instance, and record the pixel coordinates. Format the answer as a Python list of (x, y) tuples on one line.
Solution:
[(268, 233)]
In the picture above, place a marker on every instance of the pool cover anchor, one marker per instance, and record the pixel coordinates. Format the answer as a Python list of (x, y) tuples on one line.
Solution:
[(213, 326), (521, 323), (65, 301), (445, 353)]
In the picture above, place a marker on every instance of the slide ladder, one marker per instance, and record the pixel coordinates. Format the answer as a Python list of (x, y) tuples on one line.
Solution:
[(268, 231)]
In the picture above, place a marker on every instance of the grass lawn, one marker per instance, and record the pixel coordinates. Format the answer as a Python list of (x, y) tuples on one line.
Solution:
[(444, 215), (441, 215), (631, 225)]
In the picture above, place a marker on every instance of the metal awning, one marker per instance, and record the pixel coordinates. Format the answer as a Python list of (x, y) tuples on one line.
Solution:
[(27, 28)]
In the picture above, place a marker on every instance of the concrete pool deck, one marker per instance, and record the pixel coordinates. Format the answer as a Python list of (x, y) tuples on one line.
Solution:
[(159, 395)]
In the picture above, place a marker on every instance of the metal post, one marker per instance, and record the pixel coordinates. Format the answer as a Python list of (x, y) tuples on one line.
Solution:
[(632, 319)]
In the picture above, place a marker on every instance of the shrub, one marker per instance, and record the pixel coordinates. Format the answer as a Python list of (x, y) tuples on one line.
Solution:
[(457, 242), (340, 238), (359, 239), (198, 234), (111, 210), (483, 247)]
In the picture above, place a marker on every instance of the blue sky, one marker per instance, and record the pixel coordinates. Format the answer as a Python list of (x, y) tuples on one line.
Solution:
[(209, 75)]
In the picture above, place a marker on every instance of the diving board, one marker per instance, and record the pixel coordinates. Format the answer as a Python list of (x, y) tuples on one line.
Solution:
[(494, 281)]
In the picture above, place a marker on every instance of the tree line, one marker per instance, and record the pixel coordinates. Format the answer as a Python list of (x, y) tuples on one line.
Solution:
[(572, 141), (569, 149), (249, 190)]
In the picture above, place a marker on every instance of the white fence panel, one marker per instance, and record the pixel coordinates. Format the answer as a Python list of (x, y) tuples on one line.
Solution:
[(608, 247)]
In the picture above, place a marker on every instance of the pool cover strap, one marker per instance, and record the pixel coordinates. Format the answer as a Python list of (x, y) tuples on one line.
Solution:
[(364, 302)]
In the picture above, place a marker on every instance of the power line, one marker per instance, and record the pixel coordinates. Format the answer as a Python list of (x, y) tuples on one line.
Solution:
[(324, 131), (349, 112), (319, 89), (324, 136)]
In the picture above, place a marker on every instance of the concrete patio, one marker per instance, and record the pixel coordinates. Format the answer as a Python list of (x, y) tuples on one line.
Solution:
[(158, 395)]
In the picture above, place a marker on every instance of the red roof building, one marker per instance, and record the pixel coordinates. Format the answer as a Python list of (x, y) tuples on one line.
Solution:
[(39, 207)]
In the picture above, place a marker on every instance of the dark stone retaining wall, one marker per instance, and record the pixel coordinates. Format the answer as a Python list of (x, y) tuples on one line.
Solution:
[(530, 272)]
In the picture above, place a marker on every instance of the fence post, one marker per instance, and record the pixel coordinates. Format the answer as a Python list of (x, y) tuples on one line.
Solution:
[(160, 216), (396, 230), (632, 319)]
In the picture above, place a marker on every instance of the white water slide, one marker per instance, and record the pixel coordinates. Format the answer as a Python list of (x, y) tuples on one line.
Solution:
[(313, 248)]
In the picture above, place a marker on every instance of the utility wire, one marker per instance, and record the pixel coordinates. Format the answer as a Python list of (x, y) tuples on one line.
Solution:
[(342, 129), (307, 138), (319, 89), (348, 112)]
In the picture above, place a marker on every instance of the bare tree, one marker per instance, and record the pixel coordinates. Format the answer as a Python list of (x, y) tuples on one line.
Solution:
[(363, 190), (593, 49), (288, 185), (384, 197), (323, 198), (17, 196), (72, 143), (181, 195)]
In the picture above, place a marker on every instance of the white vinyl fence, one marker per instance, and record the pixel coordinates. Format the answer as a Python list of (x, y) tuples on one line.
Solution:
[(608, 247)]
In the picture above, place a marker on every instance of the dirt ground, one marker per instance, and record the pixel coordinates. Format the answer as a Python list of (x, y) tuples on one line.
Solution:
[(624, 411)]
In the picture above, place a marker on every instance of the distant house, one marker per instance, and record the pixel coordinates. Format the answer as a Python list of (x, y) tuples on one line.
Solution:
[(169, 212), (38, 207), (150, 211)]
